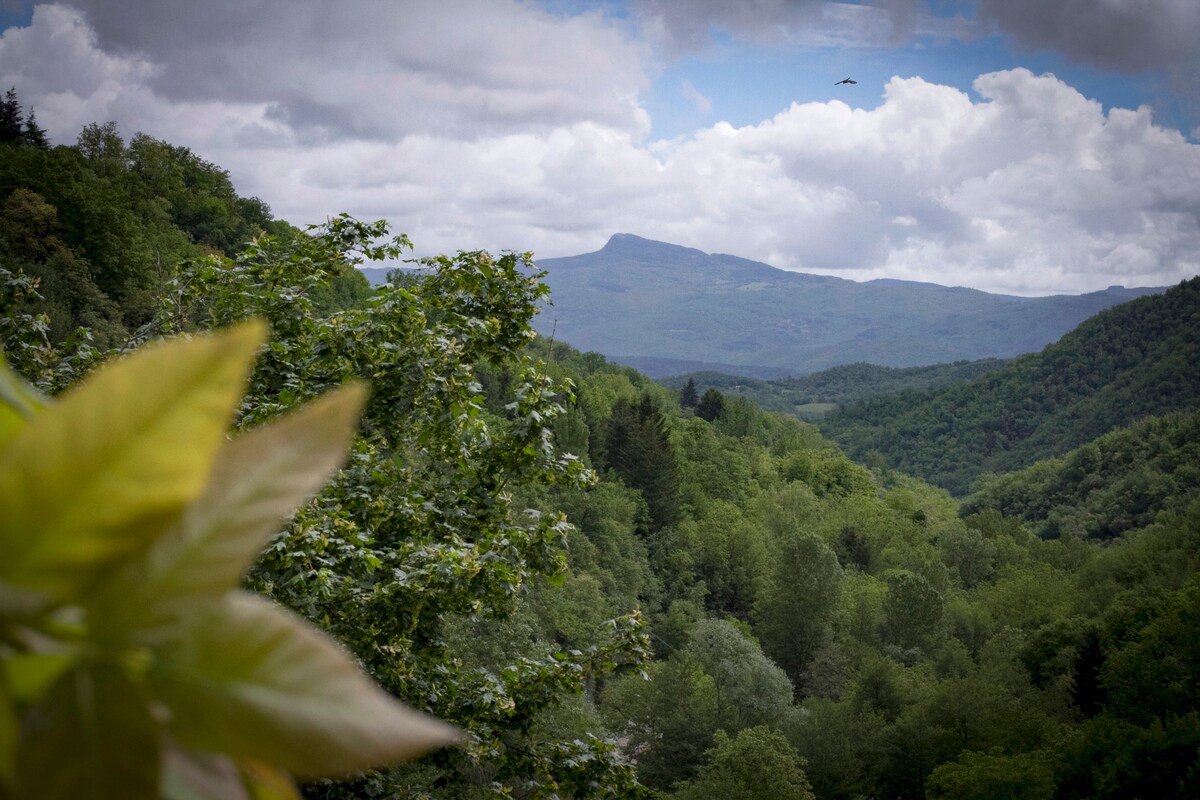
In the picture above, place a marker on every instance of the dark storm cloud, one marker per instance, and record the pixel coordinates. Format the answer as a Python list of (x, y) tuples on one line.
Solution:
[(1123, 35)]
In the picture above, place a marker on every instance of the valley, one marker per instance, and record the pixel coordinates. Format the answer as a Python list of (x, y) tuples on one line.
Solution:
[(951, 549)]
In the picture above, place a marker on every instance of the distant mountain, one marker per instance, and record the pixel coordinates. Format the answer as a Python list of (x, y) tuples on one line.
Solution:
[(668, 309), (1137, 360)]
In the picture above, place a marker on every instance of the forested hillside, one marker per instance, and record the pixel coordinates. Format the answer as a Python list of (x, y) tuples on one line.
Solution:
[(102, 225), (620, 590), (811, 396), (1132, 361), (1114, 484)]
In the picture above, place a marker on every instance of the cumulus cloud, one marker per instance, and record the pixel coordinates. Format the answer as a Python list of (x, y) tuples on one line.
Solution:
[(1032, 190), (1025, 187)]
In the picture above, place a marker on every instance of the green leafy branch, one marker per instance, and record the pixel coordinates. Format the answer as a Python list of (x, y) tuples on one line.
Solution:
[(131, 664)]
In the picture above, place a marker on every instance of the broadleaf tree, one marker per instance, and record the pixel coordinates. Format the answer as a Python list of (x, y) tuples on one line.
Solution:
[(421, 526)]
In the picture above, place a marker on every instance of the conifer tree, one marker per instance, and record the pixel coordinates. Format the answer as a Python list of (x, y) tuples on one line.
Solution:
[(711, 405), (10, 117), (638, 448), (34, 134), (688, 398)]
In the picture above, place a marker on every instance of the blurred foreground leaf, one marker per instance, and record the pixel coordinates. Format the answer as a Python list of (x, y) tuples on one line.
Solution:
[(131, 665)]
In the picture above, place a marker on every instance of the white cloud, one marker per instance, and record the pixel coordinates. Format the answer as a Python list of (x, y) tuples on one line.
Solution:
[(1035, 189), (1031, 188)]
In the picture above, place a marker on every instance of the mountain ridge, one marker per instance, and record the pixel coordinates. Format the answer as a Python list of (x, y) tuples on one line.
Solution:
[(646, 302)]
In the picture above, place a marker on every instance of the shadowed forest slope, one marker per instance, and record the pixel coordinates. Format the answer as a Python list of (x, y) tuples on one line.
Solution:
[(1136, 360)]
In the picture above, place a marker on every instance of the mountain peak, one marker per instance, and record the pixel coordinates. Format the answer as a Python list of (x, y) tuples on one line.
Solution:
[(628, 244)]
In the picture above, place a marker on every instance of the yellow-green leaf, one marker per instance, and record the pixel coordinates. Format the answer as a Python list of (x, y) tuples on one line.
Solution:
[(90, 738), (257, 480), (18, 402), (257, 682), (99, 474)]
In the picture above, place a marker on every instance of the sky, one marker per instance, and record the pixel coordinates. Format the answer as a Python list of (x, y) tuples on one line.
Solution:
[(1025, 147)]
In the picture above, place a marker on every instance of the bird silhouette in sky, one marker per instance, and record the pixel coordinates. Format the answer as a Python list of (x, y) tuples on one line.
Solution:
[(839, 83)]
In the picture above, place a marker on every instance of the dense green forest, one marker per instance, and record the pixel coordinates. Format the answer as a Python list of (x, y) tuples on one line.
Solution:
[(810, 397), (1135, 360), (618, 589)]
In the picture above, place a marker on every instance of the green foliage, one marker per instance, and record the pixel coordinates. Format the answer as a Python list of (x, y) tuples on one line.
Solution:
[(812, 396), (1136, 360), (1112, 759), (668, 718), (10, 117), (131, 664), (637, 447), (199, 196), (729, 555), (607, 544), (1156, 675), (468, 557), (794, 615), (101, 225), (421, 526), (755, 763), (67, 294), (750, 690), (1114, 484), (987, 776), (912, 610), (17, 129), (711, 404)]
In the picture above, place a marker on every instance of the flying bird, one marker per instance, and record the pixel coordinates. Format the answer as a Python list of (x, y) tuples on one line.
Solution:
[(839, 83)]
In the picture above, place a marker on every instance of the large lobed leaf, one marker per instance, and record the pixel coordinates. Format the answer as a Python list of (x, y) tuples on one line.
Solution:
[(98, 475), (255, 681)]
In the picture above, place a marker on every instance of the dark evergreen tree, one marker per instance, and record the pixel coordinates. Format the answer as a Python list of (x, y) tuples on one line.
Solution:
[(10, 117), (34, 134), (688, 398), (638, 448), (711, 405)]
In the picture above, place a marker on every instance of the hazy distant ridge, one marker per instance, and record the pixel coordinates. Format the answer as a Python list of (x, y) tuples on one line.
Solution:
[(670, 309)]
